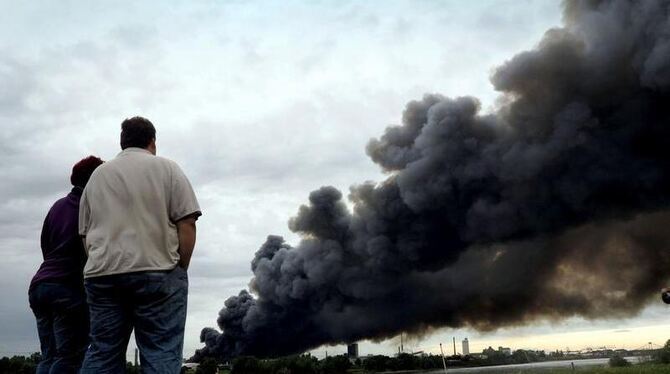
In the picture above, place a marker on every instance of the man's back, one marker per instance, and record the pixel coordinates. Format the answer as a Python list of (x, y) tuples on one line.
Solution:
[(137, 215), (128, 214)]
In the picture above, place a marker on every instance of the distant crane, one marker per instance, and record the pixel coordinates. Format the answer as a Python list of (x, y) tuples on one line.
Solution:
[(650, 346)]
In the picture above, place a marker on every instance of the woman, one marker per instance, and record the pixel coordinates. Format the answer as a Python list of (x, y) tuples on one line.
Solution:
[(56, 292)]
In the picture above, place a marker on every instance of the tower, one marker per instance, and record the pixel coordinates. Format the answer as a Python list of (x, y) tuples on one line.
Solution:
[(352, 350)]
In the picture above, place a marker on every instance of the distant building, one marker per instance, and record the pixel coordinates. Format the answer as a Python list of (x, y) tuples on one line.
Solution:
[(505, 351), (466, 347), (489, 351), (352, 350)]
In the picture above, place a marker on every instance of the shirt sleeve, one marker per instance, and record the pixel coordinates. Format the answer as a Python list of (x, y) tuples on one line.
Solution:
[(183, 202), (84, 214)]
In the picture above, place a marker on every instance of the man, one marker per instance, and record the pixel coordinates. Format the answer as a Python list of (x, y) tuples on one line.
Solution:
[(137, 217)]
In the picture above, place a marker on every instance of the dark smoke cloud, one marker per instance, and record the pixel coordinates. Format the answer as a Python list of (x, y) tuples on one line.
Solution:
[(555, 205)]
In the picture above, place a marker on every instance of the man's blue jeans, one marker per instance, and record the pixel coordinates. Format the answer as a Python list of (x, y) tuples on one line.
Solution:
[(62, 325), (152, 303)]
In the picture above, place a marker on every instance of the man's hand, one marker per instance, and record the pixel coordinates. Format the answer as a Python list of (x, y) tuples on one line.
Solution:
[(186, 234)]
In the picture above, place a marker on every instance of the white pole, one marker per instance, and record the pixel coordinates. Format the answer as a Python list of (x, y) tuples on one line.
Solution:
[(443, 362)]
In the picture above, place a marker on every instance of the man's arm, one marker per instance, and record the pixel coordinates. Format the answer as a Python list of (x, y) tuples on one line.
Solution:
[(184, 211), (186, 234)]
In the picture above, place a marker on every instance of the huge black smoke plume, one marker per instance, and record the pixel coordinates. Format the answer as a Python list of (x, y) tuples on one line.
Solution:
[(555, 205)]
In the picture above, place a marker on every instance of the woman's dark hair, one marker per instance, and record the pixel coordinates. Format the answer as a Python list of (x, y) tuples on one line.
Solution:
[(82, 170), (137, 132)]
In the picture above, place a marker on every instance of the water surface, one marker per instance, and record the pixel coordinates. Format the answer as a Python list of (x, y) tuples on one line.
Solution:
[(534, 366)]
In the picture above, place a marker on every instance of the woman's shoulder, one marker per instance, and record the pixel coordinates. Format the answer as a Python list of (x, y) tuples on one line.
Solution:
[(63, 206)]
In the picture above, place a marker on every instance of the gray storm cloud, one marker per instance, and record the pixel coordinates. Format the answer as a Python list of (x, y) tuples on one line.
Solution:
[(554, 205)]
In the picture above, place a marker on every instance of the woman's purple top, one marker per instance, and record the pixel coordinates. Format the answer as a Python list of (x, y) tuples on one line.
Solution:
[(62, 248)]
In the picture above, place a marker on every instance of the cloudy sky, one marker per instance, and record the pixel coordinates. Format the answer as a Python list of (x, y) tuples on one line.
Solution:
[(260, 103)]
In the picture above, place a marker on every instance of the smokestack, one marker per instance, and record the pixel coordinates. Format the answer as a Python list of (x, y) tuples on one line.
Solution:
[(529, 212), (454, 341)]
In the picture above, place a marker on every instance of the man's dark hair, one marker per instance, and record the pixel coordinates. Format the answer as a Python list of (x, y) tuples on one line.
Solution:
[(82, 170), (137, 132)]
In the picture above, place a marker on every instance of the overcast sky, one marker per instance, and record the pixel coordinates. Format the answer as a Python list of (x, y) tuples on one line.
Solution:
[(260, 103)]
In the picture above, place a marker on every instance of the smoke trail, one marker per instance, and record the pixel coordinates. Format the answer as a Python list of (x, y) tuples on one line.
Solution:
[(553, 206)]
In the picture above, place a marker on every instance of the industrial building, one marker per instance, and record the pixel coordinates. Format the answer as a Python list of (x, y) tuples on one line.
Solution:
[(466, 347), (352, 350)]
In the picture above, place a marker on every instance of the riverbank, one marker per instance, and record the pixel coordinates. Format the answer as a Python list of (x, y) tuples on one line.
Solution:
[(579, 366), (635, 369), (644, 368)]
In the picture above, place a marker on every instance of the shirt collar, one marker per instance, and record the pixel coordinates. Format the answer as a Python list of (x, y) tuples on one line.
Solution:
[(134, 150)]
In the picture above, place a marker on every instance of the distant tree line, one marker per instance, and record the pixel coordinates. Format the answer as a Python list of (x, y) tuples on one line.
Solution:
[(403, 361), (663, 354), (520, 356), (304, 364), (307, 364), (19, 364), (28, 365)]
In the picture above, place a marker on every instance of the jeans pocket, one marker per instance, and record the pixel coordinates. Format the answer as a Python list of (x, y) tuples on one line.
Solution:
[(181, 273)]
